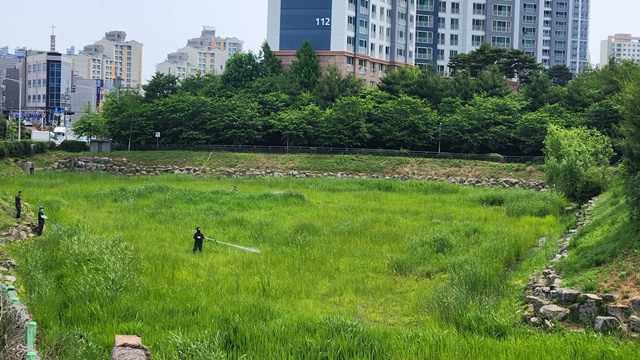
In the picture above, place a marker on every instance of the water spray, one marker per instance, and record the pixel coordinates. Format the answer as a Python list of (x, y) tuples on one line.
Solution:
[(254, 250)]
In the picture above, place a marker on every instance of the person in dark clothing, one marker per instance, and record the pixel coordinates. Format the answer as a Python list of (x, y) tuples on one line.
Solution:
[(41, 218), (18, 204), (198, 237)]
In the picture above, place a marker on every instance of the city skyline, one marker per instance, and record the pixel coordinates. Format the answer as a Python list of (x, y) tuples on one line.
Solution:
[(84, 23)]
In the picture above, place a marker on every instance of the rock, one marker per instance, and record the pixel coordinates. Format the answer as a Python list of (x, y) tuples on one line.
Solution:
[(23, 235), (10, 278), (553, 312), (620, 311), (548, 324), (635, 304), (606, 323), (609, 298), (588, 311), (538, 304), (569, 296), (535, 320), (596, 298), (634, 323)]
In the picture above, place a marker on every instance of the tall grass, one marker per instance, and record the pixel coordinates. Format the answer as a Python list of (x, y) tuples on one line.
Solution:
[(348, 268)]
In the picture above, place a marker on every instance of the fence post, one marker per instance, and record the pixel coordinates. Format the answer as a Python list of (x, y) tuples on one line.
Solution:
[(10, 290), (14, 301), (31, 335), (31, 355)]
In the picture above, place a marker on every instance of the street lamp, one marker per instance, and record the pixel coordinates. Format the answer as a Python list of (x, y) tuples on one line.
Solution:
[(439, 137), (19, 105)]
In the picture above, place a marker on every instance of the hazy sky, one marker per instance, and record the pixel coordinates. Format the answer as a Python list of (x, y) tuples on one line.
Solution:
[(163, 26)]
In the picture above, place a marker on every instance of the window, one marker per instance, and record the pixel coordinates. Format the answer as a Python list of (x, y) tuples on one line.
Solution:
[(455, 8), (528, 43), (426, 5), (455, 24), (424, 37), (501, 42), (362, 46), (478, 24), (479, 9), (530, 8), (477, 40), (501, 10), (453, 53), (424, 53), (402, 39), (453, 38), (441, 39), (402, 18), (425, 20), (560, 43), (443, 7), (559, 53), (529, 20), (527, 31), (440, 54), (501, 26), (364, 27), (442, 23), (351, 23)]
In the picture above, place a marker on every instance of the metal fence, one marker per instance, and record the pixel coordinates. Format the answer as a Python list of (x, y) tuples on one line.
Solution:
[(263, 149)]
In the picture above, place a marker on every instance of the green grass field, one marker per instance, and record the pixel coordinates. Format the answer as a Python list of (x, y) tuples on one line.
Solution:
[(348, 269)]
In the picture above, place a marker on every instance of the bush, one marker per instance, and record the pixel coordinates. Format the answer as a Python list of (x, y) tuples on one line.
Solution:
[(74, 146)]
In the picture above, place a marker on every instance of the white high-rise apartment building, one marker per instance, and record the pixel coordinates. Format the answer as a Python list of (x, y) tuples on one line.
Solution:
[(620, 47), (555, 32), (364, 37), (205, 54), (111, 59)]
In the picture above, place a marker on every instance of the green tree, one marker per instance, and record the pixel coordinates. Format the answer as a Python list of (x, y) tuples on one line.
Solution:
[(531, 129), (160, 86), (491, 83), (484, 124), (540, 91), (333, 86), (270, 65), (240, 71), (305, 69), (628, 103), (410, 124), (297, 126), (91, 124), (401, 80), (577, 162), (559, 75), (127, 119), (345, 123)]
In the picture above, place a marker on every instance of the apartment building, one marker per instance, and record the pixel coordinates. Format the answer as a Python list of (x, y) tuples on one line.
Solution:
[(207, 53), (112, 59), (361, 36), (620, 47)]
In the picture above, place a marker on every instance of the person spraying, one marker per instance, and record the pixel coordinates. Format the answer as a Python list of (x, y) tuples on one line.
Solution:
[(41, 218), (198, 237)]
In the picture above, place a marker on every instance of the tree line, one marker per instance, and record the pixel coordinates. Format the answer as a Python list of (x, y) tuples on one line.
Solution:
[(254, 101)]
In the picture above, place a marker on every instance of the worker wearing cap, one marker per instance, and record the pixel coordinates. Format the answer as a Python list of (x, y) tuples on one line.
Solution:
[(41, 219), (197, 237)]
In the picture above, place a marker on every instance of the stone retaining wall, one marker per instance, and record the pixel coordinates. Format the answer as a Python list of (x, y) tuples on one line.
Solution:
[(550, 304), (125, 167)]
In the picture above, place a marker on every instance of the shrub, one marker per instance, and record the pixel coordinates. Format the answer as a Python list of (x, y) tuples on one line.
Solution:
[(577, 161), (74, 146)]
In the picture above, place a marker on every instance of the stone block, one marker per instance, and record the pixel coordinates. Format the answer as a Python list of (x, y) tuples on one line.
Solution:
[(553, 312), (634, 323), (620, 311), (606, 324)]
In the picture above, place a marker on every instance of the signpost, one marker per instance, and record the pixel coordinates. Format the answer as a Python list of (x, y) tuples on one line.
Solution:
[(157, 139)]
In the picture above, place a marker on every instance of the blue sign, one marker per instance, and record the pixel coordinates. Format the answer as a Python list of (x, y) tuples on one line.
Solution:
[(305, 20)]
